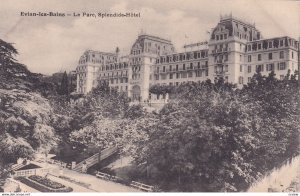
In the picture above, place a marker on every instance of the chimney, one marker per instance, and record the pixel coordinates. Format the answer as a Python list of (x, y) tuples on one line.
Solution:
[(118, 54)]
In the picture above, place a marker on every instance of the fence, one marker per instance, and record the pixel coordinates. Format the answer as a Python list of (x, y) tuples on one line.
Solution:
[(141, 186), (138, 185), (89, 162)]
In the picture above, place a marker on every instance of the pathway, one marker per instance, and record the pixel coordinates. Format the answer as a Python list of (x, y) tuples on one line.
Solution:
[(96, 184)]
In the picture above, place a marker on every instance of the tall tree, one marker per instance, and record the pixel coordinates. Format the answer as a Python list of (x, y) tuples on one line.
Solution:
[(64, 85)]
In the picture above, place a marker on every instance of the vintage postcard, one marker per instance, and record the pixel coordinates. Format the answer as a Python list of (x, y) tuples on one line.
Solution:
[(149, 96)]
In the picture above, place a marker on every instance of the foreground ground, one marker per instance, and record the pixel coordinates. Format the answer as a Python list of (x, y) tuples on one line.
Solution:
[(79, 182)]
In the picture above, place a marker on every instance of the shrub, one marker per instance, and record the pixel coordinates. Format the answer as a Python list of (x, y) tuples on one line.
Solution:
[(38, 185)]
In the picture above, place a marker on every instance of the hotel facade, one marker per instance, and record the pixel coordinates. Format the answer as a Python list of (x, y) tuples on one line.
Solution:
[(234, 52)]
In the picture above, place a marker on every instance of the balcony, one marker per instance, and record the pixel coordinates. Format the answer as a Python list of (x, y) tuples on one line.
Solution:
[(219, 61), (171, 70), (221, 50), (219, 72)]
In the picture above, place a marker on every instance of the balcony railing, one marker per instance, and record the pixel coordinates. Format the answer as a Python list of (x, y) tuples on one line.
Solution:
[(219, 61), (219, 72), (216, 51)]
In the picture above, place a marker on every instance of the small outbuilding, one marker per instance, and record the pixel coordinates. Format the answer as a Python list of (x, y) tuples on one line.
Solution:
[(28, 170)]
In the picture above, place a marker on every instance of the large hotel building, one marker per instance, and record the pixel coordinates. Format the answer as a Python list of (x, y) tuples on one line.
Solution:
[(235, 51)]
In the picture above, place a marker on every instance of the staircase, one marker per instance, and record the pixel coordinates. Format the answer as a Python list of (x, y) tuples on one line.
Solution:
[(96, 158)]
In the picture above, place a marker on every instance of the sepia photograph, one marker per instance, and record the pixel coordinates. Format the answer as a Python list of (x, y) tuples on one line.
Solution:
[(149, 96)]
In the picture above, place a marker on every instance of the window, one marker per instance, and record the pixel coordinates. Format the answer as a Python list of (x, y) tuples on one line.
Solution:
[(190, 74), (270, 44), (164, 69), (241, 68), (249, 68), (241, 80), (249, 79), (240, 58), (171, 76), (226, 68), (225, 36), (226, 57), (183, 66), (292, 55), (281, 54), (249, 47), (281, 66), (270, 67), (226, 79), (259, 68), (259, 57), (259, 46), (270, 56), (249, 58), (183, 75), (281, 43), (177, 75), (176, 67)]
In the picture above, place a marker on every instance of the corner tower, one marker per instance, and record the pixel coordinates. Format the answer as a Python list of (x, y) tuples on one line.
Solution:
[(227, 47), (144, 53)]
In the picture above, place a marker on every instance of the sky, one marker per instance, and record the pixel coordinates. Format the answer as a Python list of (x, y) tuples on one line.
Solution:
[(51, 44)]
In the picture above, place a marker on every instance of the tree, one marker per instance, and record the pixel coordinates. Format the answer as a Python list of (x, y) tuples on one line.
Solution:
[(221, 138), (64, 85), (7, 52), (25, 125), (102, 133)]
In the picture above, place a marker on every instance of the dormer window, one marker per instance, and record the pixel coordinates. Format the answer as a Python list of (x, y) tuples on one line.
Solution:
[(270, 44), (281, 42), (259, 46), (249, 47)]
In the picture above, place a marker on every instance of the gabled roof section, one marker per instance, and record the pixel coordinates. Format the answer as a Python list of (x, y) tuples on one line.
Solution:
[(29, 166)]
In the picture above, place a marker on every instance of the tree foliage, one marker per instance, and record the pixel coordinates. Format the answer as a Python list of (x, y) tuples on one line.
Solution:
[(221, 137), (25, 116)]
